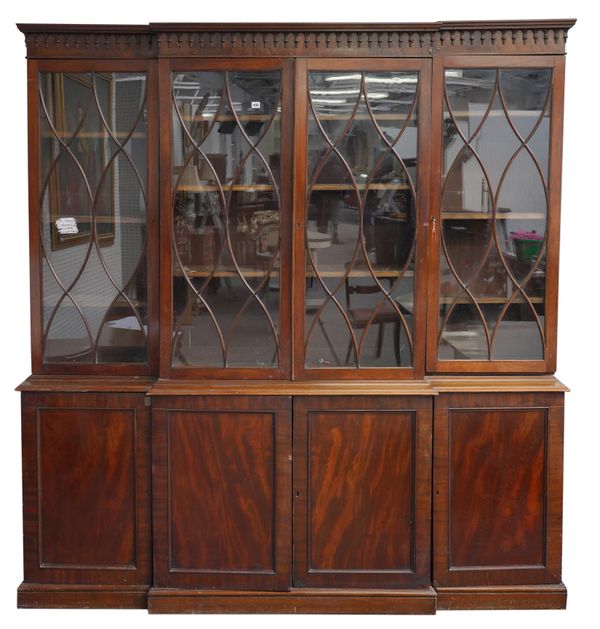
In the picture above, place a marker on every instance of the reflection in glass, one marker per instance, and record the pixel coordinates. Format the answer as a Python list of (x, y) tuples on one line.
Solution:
[(226, 129), (360, 227), (93, 170), (496, 135)]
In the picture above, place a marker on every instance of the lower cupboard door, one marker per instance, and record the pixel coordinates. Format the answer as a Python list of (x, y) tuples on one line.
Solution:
[(222, 492), (86, 489), (362, 483), (498, 489)]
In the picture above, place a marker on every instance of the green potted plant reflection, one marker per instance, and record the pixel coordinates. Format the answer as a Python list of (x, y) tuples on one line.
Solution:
[(527, 244)]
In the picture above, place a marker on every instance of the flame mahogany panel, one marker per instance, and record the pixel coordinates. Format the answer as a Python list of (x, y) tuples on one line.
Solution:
[(497, 489), (362, 486), (222, 492), (86, 488)]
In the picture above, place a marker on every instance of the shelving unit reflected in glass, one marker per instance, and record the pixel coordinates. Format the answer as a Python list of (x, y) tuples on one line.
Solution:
[(226, 136), (93, 229), (496, 138), (360, 218)]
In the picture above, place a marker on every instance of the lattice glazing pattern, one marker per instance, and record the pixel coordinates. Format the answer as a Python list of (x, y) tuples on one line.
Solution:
[(93, 199), (496, 136), (361, 217), (226, 210)]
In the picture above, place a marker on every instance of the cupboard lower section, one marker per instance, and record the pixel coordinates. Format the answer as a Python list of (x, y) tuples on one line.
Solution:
[(86, 492), (497, 489), (292, 503), (362, 491), (222, 473)]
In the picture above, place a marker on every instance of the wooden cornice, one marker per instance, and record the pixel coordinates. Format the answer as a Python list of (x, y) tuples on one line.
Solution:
[(294, 39)]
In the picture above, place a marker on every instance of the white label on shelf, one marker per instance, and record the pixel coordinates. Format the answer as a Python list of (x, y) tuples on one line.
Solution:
[(67, 225), (255, 104)]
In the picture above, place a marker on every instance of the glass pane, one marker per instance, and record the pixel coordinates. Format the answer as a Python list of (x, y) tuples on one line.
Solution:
[(494, 214), (360, 227), (93, 196), (226, 208)]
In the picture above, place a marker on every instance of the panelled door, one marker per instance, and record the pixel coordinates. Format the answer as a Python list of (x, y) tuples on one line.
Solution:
[(362, 491), (222, 492), (86, 488), (497, 498), (227, 515), (361, 173)]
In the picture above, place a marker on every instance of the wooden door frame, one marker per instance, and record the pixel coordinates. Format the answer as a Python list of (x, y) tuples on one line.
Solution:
[(34, 67), (440, 63), (165, 68), (424, 66)]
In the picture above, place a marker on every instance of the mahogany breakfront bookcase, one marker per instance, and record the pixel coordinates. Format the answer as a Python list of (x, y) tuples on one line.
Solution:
[(294, 301)]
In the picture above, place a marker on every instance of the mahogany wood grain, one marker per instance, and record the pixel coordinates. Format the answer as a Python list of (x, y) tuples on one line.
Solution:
[(296, 601), (86, 485), (51, 596), (434, 220), (74, 384), (286, 314), (496, 493), (362, 491), (35, 253), (153, 219), (299, 216), (422, 256), (232, 528), (194, 27), (497, 489), (503, 597), (345, 473), (165, 250), (170, 388), (496, 384), (420, 39), (222, 492), (554, 197)]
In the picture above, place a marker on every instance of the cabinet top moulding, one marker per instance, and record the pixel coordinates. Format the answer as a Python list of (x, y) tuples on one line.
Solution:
[(82, 384), (421, 39), (322, 387)]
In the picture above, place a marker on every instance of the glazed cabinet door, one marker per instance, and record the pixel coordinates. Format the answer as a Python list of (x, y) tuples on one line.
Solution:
[(362, 491), (93, 231), (497, 127), (361, 191), (86, 489), (497, 489), (222, 492), (225, 187)]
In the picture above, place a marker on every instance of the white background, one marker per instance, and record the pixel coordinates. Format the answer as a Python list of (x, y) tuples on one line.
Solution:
[(579, 313)]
